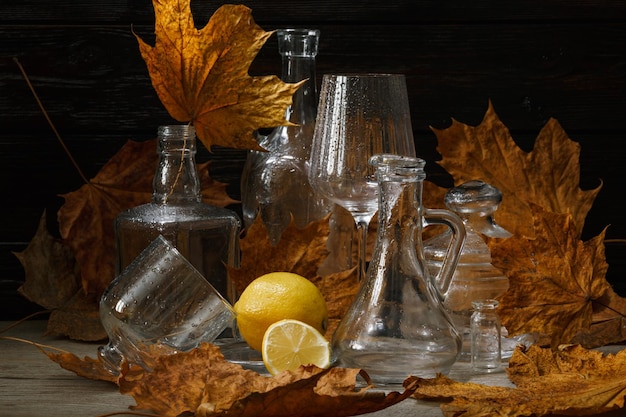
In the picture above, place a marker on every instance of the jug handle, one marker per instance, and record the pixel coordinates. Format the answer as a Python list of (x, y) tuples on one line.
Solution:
[(451, 258)]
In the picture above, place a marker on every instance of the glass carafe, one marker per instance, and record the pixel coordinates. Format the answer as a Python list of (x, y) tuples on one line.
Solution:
[(274, 184), (397, 326), (475, 278), (207, 236)]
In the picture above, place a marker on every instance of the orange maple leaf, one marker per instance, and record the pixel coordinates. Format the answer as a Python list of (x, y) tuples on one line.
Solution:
[(548, 176), (202, 75), (572, 381), (554, 279), (202, 382)]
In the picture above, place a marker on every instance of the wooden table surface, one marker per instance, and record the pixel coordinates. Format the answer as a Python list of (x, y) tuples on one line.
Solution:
[(31, 385)]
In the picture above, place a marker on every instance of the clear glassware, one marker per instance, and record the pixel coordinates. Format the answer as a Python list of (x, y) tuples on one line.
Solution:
[(206, 235), (397, 325), (359, 115), (274, 184), (159, 299), (475, 278), (485, 337)]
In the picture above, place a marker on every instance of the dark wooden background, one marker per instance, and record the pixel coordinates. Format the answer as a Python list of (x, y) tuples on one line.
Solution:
[(534, 59)]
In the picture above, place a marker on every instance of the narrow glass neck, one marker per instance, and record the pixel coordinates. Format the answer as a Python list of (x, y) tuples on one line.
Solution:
[(400, 198), (176, 179), (298, 48), (400, 207)]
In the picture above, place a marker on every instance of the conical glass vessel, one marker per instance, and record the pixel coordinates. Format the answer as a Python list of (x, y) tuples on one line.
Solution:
[(397, 325), (274, 184), (207, 236)]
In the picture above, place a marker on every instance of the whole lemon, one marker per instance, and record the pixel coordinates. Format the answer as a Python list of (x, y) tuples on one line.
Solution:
[(278, 296)]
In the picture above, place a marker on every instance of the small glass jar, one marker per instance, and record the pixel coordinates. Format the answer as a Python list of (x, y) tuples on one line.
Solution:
[(485, 337)]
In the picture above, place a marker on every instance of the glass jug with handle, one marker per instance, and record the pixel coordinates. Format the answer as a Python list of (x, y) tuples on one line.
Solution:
[(397, 325)]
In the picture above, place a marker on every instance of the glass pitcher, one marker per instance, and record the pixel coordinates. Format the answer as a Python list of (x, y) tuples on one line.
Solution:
[(397, 326)]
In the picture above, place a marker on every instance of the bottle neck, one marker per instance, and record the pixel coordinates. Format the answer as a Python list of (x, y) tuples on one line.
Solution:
[(399, 211), (176, 180), (303, 108), (298, 49), (400, 180)]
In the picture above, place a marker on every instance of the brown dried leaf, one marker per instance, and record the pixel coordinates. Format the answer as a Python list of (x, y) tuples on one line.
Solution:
[(78, 319), (299, 251), (608, 322), (52, 280), (87, 367), (549, 176), (125, 181), (573, 381), (51, 273), (554, 279), (201, 381), (329, 393), (178, 382), (201, 76)]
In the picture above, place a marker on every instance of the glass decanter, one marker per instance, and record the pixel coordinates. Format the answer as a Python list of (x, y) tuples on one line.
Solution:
[(397, 326), (274, 184), (206, 235), (475, 278)]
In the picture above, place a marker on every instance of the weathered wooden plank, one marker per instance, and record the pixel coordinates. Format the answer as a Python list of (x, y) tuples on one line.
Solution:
[(93, 79), (303, 12)]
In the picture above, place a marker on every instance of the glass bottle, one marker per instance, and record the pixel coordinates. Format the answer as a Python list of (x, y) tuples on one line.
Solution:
[(206, 235), (396, 325), (274, 184), (475, 278), (485, 337)]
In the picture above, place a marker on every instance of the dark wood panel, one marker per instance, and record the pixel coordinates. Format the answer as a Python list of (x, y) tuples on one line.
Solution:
[(305, 12), (92, 78)]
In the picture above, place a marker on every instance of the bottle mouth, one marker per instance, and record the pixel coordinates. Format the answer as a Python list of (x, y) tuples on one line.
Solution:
[(398, 166)]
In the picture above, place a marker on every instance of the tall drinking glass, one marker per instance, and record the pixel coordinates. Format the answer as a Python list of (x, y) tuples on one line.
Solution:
[(359, 115)]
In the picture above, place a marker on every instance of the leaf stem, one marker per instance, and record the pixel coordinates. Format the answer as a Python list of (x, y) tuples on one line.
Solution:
[(39, 346), (22, 320), (45, 113)]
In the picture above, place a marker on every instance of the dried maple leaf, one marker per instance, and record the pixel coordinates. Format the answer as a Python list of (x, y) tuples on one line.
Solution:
[(51, 273), (608, 322), (548, 176), (201, 381), (125, 181), (570, 395), (554, 279), (86, 367), (201, 76), (52, 280), (298, 250), (329, 393), (572, 381)]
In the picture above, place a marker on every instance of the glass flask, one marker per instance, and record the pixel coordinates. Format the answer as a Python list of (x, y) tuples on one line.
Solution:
[(396, 325), (274, 184), (485, 337), (206, 235), (475, 278)]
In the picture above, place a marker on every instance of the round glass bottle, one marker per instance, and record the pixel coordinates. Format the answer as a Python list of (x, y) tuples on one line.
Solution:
[(206, 235), (274, 184), (397, 326)]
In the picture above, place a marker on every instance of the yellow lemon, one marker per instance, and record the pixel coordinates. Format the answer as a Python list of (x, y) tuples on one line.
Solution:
[(287, 344), (277, 296)]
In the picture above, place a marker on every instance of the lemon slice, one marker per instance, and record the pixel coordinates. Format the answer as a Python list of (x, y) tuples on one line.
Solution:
[(288, 343)]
